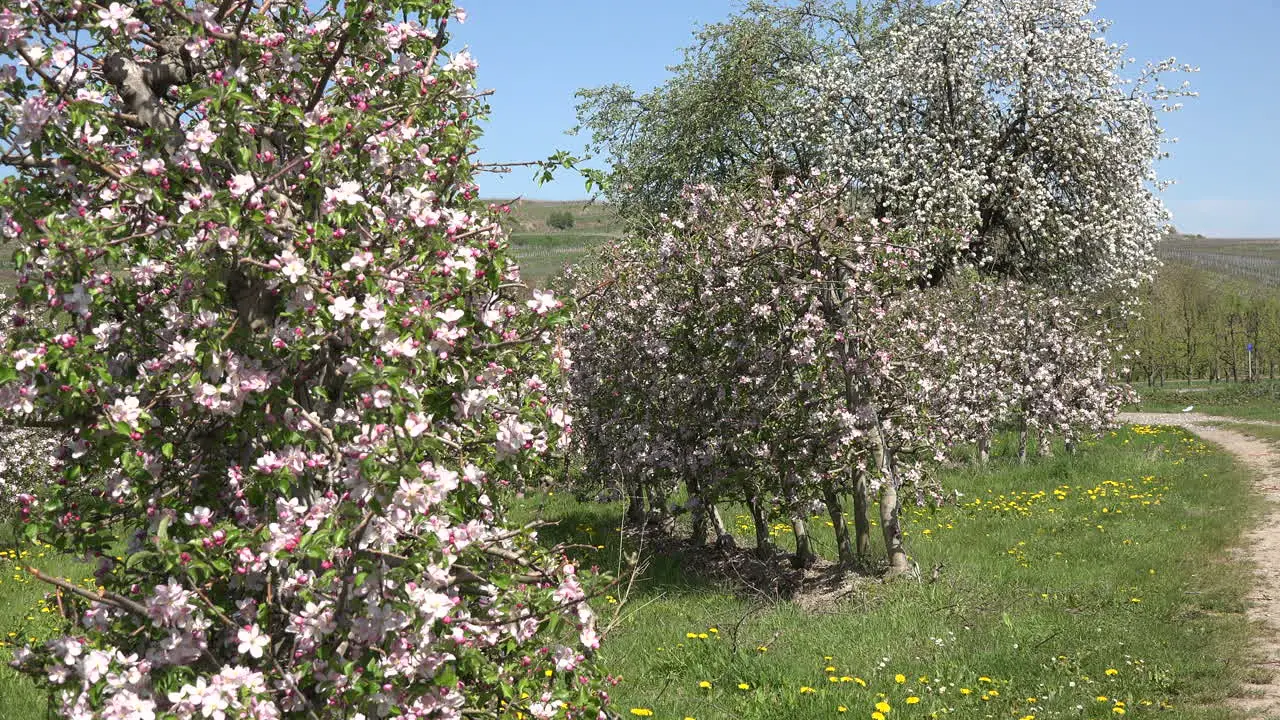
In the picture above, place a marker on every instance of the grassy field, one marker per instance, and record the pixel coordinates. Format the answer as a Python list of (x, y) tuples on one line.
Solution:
[(1256, 401), (544, 251), (1256, 260), (1059, 595), (27, 614), (1268, 433)]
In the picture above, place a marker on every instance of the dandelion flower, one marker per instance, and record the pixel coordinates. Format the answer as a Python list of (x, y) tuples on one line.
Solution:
[(899, 678), (744, 686), (641, 712), (705, 685), (913, 700), (883, 706)]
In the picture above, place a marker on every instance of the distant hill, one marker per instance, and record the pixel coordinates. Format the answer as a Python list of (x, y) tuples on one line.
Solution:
[(543, 250), (1255, 260)]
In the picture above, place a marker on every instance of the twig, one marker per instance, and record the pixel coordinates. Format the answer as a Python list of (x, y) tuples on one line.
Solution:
[(105, 596)]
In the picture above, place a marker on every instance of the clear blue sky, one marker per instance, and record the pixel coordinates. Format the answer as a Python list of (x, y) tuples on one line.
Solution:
[(537, 53)]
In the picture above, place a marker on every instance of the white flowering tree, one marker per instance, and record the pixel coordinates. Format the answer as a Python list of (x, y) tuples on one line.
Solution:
[(1015, 122), (291, 364)]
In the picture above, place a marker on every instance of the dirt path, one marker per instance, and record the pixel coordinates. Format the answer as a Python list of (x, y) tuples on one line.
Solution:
[(1262, 543), (1189, 419)]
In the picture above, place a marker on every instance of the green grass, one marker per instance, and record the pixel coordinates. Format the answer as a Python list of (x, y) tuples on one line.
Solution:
[(530, 216), (543, 251), (543, 256), (27, 614), (1053, 576), (1261, 432), (1255, 401), (1042, 594)]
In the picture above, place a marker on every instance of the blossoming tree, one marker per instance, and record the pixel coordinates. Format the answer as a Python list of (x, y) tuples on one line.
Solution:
[(1009, 124), (756, 341), (291, 365)]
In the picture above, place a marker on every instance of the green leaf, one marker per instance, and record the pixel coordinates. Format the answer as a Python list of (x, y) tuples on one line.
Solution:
[(136, 558)]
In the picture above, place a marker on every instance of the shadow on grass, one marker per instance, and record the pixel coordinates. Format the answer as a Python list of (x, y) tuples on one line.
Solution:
[(596, 537), (672, 564)]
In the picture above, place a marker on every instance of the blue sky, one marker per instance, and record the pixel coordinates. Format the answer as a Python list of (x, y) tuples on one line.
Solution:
[(537, 53)]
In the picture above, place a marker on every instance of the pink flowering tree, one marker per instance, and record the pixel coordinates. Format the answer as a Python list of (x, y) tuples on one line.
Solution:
[(755, 341), (291, 365), (1013, 356)]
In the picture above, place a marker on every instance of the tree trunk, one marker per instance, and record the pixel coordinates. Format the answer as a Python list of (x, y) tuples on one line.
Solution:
[(659, 509), (764, 547), (698, 536), (1069, 444), (635, 500), (890, 507), (1044, 444), (861, 514), (1022, 443), (984, 448), (804, 557), (724, 538), (844, 545)]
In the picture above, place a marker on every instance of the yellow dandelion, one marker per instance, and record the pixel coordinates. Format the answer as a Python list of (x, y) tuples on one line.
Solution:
[(641, 712), (805, 690), (705, 685), (1112, 671), (899, 678), (744, 686), (913, 700), (883, 706)]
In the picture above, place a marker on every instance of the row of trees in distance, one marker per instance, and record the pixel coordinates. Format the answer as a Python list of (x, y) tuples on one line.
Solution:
[(1197, 324)]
